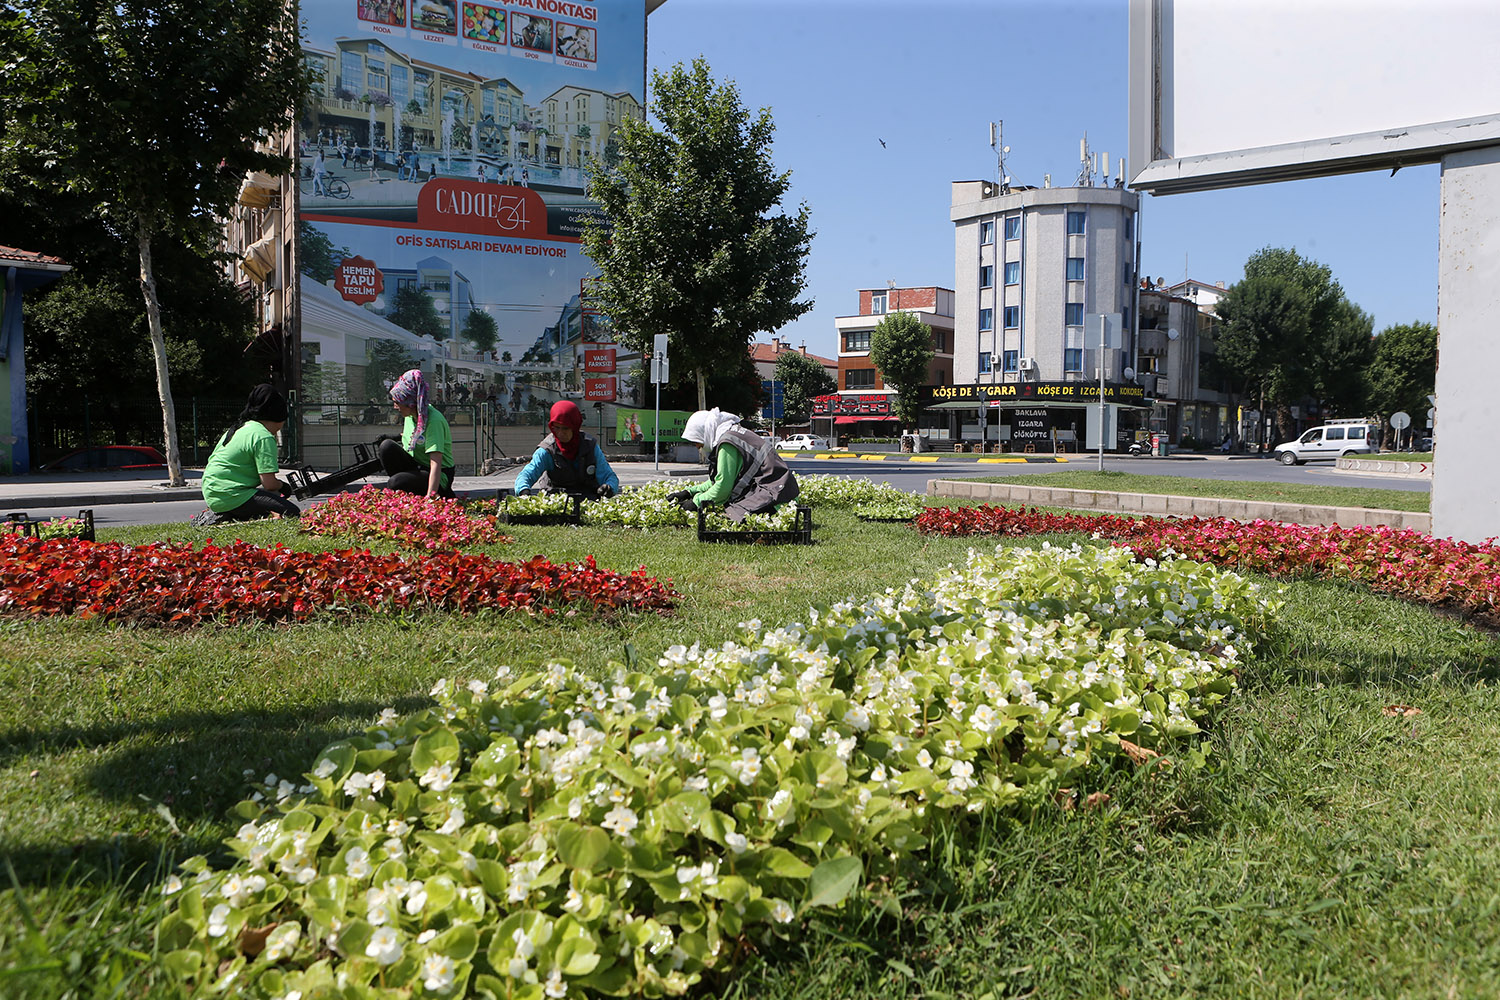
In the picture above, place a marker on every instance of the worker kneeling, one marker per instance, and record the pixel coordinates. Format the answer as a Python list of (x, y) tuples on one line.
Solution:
[(745, 474), (568, 459), (239, 481)]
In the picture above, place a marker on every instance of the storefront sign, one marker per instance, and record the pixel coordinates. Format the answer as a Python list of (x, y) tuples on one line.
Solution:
[(866, 404), (598, 358), (599, 388), (1028, 426), (1035, 392)]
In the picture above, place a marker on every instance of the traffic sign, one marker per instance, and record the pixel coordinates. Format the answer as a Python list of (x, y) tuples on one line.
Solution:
[(1401, 420)]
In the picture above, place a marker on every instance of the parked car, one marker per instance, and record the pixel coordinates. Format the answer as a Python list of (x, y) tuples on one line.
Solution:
[(1330, 442), (126, 457), (804, 442)]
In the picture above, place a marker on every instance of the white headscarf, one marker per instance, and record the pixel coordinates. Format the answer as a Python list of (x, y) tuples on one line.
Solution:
[(707, 427)]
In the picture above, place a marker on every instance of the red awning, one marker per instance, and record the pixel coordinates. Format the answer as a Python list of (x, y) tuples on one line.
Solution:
[(860, 420)]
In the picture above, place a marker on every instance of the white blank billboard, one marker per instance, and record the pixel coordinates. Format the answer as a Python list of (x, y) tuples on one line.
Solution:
[(1230, 92)]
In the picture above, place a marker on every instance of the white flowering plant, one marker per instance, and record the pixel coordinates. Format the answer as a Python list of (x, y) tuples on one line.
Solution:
[(826, 491), (903, 507), (547, 833), (537, 503), (783, 518), (645, 506)]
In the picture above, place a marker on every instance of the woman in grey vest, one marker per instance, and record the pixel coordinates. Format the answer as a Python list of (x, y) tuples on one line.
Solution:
[(745, 475)]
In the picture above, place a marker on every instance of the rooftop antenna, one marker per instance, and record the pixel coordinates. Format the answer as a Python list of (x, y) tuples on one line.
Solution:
[(1085, 163), (997, 143)]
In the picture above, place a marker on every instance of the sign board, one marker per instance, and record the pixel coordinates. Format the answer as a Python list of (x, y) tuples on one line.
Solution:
[(1034, 393), (599, 388), (1103, 327), (1029, 426), (871, 404), (661, 369), (771, 389), (599, 358), (1322, 104), (637, 425), (358, 280)]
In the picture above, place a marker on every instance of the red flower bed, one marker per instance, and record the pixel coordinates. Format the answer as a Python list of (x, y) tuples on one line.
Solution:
[(180, 585), (430, 523), (1404, 563)]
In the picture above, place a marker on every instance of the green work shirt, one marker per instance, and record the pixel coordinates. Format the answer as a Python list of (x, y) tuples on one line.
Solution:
[(728, 466), (233, 472), (439, 439)]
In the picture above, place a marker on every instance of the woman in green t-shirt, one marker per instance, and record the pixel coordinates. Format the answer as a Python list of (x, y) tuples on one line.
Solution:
[(239, 482), (422, 463)]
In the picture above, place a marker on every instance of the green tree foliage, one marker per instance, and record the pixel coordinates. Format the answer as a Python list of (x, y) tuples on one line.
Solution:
[(1289, 332), (692, 244), (802, 379), (481, 330), (901, 347), (1403, 372), (318, 256), (413, 310), (386, 361), (149, 112)]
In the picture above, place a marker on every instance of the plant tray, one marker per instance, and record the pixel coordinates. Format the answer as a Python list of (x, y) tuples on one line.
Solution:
[(574, 515), (886, 520), (32, 528), (800, 535)]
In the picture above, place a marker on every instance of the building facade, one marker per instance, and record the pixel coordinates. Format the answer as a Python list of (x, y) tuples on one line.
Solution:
[(864, 405), (1031, 266)]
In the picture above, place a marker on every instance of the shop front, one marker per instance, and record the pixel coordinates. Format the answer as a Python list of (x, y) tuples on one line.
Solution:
[(855, 417), (1040, 417)]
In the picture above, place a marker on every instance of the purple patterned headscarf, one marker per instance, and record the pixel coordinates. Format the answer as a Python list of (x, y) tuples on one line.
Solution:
[(411, 390)]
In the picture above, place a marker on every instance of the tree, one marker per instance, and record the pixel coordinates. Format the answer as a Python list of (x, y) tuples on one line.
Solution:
[(1403, 372), (481, 330), (151, 112), (691, 244), (505, 357), (801, 379), (413, 310), (901, 347), (319, 258), (1289, 332), (387, 361)]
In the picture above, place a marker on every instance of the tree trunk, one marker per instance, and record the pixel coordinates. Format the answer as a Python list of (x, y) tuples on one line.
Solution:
[(702, 390), (159, 350)]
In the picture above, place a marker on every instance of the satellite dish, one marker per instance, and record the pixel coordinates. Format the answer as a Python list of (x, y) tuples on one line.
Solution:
[(1172, 334), (1129, 374)]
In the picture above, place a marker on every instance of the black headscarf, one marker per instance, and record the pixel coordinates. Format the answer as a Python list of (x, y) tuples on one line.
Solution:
[(265, 403)]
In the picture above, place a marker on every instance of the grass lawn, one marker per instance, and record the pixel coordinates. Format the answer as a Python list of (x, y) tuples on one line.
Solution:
[(1330, 849), (1184, 486)]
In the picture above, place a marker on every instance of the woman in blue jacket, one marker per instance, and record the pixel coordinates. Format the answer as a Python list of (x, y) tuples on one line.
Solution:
[(568, 459)]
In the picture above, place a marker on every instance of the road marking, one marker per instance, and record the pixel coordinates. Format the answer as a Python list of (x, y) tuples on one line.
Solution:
[(922, 458), (872, 458), (996, 460)]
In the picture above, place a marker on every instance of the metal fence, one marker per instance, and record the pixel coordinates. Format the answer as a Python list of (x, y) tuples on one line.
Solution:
[(58, 427)]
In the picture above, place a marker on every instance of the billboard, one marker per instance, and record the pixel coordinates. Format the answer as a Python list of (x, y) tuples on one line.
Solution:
[(444, 157), (640, 425)]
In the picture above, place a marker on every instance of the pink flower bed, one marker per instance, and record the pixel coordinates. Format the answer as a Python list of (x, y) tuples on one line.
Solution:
[(420, 522), (1402, 562)]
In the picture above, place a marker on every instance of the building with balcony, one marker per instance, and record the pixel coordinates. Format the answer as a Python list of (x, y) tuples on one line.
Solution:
[(864, 405)]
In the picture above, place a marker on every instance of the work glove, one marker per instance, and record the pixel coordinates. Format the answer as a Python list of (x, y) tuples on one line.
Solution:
[(525, 493), (604, 492), (685, 500)]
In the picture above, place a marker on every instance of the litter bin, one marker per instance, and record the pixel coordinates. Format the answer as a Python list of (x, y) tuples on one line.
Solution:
[(1159, 446)]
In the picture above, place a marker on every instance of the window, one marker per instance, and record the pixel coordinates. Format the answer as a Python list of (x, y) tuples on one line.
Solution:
[(859, 378), (1334, 434), (986, 319), (1357, 433), (1075, 223), (986, 276), (1125, 319), (984, 363), (351, 70), (1013, 272), (1073, 359), (1013, 227), (940, 341), (1073, 314), (1012, 317), (986, 232), (1075, 268), (1129, 226), (1012, 361), (877, 303), (857, 341), (401, 86), (1129, 276)]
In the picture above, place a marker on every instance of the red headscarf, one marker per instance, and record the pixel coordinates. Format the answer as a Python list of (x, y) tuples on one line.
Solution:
[(565, 413)]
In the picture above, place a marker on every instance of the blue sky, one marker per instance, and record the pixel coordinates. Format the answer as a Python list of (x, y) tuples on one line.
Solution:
[(927, 76)]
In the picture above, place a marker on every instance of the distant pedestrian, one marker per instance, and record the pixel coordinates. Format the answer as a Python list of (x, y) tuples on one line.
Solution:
[(320, 173)]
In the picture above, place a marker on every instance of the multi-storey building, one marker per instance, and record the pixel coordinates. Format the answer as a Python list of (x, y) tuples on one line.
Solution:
[(1031, 266), (864, 405)]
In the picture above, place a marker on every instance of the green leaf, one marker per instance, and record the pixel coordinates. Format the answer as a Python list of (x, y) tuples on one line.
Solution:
[(780, 861), (832, 881), (437, 747), (582, 847)]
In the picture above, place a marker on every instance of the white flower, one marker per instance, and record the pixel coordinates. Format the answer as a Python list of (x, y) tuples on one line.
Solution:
[(325, 768), (438, 777), (525, 947), (924, 758), (780, 912), (984, 718), (218, 920), (357, 863), (859, 717), (737, 842), (516, 968), (555, 986), (574, 902), (387, 717), (620, 819), (171, 885), (437, 973), (384, 946), (416, 898), (479, 688), (426, 936), (718, 707)]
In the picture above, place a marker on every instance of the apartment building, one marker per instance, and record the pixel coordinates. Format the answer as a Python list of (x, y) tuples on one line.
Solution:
[(864, 406)]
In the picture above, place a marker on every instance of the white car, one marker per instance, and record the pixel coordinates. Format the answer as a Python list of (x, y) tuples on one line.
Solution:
[(804, 442), (1330, 442)]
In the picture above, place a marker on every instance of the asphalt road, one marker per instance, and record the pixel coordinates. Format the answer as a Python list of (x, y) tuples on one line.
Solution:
[(908, 476)]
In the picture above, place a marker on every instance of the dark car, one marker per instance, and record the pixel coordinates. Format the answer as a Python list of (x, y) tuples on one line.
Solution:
[(125, 457)]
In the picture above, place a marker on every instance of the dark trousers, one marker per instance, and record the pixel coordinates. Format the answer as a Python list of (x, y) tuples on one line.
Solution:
[(404, 472), (263, 504)]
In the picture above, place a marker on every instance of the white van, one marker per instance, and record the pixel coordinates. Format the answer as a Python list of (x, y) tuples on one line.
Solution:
[(1329, 442)]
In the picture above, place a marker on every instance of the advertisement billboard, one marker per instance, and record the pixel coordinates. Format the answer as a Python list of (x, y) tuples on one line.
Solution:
[(444, 157), (637, 425)]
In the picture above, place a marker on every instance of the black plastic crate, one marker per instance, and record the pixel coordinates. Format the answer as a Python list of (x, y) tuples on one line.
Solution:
[(574, 514), (32, 528), (886, 520), (800, 535)]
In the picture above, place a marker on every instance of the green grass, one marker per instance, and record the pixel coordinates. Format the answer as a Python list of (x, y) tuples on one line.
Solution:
[(1328, 850), (1403, 456), (1184, 486)]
